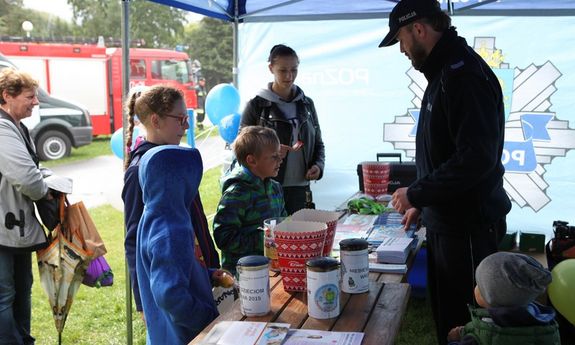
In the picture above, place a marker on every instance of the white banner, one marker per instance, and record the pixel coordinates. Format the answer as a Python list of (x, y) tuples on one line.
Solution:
[(360, 89)]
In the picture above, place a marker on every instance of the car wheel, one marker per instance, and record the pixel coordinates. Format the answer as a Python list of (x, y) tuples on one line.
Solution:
[(53, 145)]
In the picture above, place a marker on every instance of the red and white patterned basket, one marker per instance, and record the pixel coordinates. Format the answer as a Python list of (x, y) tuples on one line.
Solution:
[(375, 177), (330, 218), (297, 242)]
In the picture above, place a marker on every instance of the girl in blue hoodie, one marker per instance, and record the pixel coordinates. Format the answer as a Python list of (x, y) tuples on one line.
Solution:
[(174, 281), (161, 109)]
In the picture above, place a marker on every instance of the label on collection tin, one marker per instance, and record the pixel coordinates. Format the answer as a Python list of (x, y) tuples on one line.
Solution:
[(323, 294), (354, 271), (254, 290)]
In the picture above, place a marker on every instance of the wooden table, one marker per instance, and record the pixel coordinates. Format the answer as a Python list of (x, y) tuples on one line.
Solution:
[(378, 313)]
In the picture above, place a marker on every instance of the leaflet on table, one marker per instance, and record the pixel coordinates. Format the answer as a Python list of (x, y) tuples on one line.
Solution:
[(394, 250), (344, 231), (312, 337), (363, 220), (379, 232), (387, 268), (246, 333)]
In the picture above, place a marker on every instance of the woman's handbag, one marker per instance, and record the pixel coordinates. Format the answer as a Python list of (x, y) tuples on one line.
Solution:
[(48, 212)]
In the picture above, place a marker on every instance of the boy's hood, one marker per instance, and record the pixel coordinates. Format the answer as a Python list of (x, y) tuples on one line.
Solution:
[(533, 314)]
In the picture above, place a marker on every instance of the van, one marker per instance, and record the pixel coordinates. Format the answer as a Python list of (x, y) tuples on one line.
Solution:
[(56, 125)]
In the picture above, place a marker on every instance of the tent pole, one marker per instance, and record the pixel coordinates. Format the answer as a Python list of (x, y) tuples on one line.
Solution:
[(235, 43), (125, 90)]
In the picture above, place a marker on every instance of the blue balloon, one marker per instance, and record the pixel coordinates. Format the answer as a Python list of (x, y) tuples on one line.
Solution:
[(222, 100), (229, 127), (117, 141)]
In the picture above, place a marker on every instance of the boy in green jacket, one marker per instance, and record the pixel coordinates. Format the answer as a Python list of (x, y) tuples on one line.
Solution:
[(249, 196), (507, 286)]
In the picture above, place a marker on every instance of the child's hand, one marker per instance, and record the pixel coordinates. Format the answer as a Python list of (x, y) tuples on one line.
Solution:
[(223, 278), (455, 334)]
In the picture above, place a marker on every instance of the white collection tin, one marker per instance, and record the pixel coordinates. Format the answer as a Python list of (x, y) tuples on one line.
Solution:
[(323, 288), (354, 265), (254, 283)]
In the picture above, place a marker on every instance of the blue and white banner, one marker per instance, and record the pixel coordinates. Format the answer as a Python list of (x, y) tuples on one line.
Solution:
[(368, 101)]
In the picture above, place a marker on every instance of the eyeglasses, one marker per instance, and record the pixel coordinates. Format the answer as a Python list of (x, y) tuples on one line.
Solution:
[(182, 119)]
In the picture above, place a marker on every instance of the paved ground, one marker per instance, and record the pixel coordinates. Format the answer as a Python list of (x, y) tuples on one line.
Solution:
[(99, 181)]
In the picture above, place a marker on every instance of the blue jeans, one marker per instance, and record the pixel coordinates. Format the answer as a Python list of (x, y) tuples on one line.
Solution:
[(15, 298)]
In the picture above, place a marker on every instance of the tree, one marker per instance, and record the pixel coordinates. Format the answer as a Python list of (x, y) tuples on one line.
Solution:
[(210, 42), (157, 25), (12, 14)]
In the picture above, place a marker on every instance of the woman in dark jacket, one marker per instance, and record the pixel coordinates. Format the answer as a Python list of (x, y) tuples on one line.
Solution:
[(283, 107)]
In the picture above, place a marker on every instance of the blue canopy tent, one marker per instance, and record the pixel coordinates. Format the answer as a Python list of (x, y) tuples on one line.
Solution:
[(356, 86)]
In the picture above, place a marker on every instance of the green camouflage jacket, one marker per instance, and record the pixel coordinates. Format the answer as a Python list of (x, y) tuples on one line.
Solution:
[(246, 202)]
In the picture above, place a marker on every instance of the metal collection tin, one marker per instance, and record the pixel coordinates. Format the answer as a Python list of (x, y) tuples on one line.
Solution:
[(254, 283), (323, 293), (354, 265)]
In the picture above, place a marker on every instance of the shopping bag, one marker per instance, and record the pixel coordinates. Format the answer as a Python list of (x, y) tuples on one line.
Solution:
[(98, 273), (224, 298), (78, 220)]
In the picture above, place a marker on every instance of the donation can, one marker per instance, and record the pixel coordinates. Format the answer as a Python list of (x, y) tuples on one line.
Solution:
[(354, 265), (323, 288), (254, 283)]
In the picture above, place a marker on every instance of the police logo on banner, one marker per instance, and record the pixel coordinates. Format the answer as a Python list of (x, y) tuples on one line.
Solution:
[(534, 135)]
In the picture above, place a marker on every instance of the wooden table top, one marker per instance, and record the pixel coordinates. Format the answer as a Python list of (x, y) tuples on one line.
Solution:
[(378, 313)]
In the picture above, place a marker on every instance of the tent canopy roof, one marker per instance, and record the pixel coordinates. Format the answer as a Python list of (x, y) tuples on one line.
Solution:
[(291, 10)]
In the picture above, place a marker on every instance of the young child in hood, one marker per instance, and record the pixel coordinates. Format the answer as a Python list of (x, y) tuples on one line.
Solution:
[(162, 111), (175, 283), (507, 286), (249, 196)]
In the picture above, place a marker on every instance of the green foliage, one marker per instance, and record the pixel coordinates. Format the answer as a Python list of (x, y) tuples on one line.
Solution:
[(158, 25), (365, 205), (210, 42), (12, 14)]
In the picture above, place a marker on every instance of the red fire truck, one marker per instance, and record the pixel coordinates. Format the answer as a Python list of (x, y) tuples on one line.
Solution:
[(92, 76)]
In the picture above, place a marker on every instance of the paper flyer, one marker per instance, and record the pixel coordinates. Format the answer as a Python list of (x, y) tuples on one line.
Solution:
[(312, 337)]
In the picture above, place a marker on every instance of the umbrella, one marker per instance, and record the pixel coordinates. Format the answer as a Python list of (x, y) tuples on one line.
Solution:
[(62, 266)]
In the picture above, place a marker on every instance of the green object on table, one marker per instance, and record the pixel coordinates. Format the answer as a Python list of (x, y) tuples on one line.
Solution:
[(365, 205)]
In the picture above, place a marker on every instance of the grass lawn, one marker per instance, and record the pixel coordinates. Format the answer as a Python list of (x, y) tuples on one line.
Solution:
[(98, 316)]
